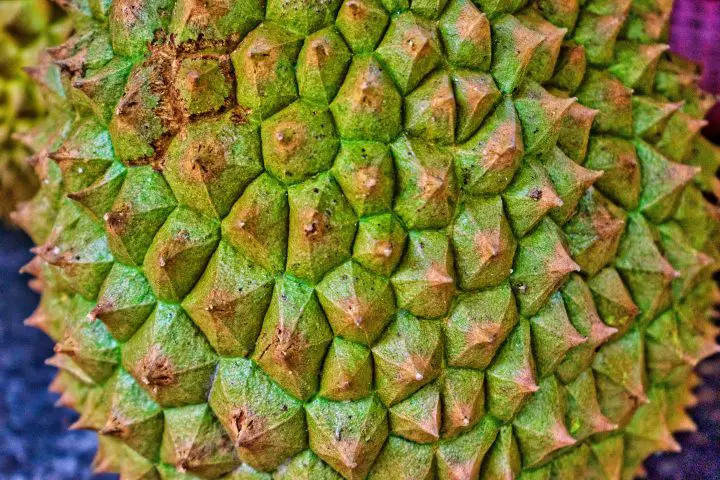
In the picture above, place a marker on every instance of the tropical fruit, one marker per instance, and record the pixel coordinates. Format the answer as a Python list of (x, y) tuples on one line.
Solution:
[(324, 239), (26, 28)]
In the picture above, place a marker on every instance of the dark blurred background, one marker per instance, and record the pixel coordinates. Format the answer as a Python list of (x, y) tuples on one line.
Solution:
[(35, 443)]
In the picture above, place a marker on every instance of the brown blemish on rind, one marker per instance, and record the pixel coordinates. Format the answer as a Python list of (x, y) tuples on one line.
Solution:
[(205, 161), (155, 369), (247, 428)]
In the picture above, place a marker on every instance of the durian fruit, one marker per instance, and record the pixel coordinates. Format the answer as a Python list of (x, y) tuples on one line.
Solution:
[(373, 239), (27, 27)]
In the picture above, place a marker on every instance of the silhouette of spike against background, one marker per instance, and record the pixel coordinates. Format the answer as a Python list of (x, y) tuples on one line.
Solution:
[(373, 239)]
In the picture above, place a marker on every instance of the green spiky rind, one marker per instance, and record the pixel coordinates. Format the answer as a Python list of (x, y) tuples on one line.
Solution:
[(334, 249)]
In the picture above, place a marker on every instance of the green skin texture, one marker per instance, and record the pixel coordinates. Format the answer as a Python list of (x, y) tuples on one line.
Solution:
[(374, 239)]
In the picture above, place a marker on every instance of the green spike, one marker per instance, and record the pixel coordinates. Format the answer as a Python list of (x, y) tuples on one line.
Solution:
[(598, 32), (486, 163), (324, 57), (678, 135), (229, 301), (347, 435), (359, 304), (478, 325), (570, 180), (545, 58), (294, 338), (705, 155), (137, 467), (613, 301), (257, 223), (613, 100), (553, 336), (195, 442), (410, 50), (379, 243), (418, 417), (88, 343), (694, 266), (570, 67), (541, 116), (430, 110), (515, 46), (98, 197), (403, 460), (210, 163), (540, 425), (138, 120), (594, 233), (647, 432), (698, 219), (174, 373), (426, 184), (179, 253), (530, 197), (606, 460), (132, 416), (503, 460), (462, 457), (663, 182), (635, 65), (562, 13), (664, 349), (139, 210), (124, 302), (465, 32), (109, 455), (621, 180), (347, 372), (250, 406), (84, 156), (365, 172), (586, 320), (368, 106), (77, 251), (575, 131), (542, 265), (298, 142), (511, 377), (483, 243), (362, 24), (583, 415), (463, 400), (620, 377), (644, 269), (650, 116), (424, 283), (475, 97), (649, 21), (202, 84), (321, 228), (264, 64), (407, 357)]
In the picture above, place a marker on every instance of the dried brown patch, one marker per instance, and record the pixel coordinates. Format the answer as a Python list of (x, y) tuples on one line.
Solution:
[(204, 161), (155, 369), (247, 428)]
